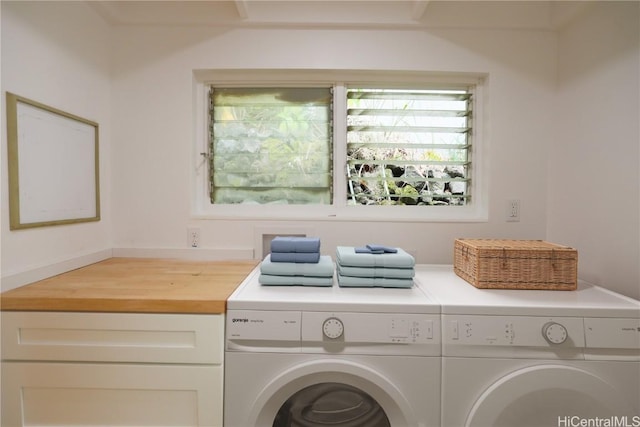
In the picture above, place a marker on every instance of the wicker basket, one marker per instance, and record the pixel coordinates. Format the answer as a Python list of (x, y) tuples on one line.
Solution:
[(516, 264)]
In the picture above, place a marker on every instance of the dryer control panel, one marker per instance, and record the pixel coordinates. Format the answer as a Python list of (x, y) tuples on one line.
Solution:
[(612, 338), (512, 336), (327, 332), (541, 337)]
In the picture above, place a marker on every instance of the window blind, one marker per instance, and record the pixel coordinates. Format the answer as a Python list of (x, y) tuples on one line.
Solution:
[(408, 147), (271, 145)]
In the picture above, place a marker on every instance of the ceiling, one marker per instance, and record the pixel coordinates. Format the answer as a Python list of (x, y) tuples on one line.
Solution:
[(402, 14)]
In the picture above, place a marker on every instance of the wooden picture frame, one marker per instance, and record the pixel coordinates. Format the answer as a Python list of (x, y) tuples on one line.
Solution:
[(53, 165)]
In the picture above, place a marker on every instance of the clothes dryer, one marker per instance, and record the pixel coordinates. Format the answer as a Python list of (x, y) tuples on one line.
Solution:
[(331, 356), (536, 358)]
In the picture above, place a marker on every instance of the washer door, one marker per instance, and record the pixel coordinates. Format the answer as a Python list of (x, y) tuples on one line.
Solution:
[(334, 404), (331, 392), (545, 395)]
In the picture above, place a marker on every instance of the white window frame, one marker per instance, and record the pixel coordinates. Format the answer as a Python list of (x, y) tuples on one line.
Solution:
[(202, 208)]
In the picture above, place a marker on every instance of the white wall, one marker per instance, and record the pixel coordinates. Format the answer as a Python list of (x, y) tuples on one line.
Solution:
[(549, 96), (594, 164), (57, 54), (152, 142)]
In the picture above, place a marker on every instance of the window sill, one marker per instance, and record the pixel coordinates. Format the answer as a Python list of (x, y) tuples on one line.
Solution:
[(348, 213)]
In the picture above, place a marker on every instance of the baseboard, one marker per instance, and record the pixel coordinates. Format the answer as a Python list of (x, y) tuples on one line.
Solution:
[(39, 273)]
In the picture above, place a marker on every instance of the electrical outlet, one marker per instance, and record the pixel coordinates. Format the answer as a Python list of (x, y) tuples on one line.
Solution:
[(193, 237), (513, 210)]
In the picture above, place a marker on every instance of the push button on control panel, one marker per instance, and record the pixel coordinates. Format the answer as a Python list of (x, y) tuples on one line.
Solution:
[(429, 329), (453, 325)]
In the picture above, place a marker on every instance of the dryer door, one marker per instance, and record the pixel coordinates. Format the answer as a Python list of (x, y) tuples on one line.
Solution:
[(547, 395)]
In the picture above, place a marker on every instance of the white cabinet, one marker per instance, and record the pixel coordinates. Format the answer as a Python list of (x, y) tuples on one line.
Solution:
[(112, 369)]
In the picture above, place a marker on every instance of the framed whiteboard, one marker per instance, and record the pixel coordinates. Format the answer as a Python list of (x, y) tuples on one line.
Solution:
[(53, 166)]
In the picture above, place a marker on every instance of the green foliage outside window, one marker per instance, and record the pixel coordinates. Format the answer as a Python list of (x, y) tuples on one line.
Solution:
[(271, 145)]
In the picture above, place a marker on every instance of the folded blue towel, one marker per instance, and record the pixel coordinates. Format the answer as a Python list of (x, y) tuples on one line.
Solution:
[(295, 244), (347, 256), (323, 268), (367, 250), (371, 282), (303, 257), (390, 273), (271, 280), (375, 249), (384, 249)]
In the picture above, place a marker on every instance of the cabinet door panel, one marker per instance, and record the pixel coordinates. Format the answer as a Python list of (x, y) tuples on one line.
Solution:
[(57, 394), (113, 337)]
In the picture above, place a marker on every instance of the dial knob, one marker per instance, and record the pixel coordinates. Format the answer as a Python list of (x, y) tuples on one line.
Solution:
[(554, 333), (332, 328)]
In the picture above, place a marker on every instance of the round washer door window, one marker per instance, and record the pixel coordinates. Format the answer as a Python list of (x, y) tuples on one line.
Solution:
[(331, 404)]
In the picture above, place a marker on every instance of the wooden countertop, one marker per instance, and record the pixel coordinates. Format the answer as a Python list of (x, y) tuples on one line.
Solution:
[(134, 285)]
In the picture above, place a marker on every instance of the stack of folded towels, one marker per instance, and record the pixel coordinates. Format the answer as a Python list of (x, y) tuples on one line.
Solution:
[(296, 261), (374, 265)]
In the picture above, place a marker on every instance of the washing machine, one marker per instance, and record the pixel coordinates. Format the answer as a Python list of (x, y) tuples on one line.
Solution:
[(331, 356), (536, 358)]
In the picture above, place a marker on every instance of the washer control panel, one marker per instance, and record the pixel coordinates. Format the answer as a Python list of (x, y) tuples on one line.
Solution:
[(320, 331), (370, 327)]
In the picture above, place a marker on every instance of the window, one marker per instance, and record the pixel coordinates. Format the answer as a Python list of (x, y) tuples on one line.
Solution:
[(351, 145), (408, 147), (271, 145)]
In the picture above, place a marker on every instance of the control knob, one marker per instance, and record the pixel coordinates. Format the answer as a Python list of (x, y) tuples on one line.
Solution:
[(333, 328), (554, 333)]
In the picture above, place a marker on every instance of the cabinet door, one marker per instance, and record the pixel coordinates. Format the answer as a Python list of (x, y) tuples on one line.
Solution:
[(65, 394), (113, 337)]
